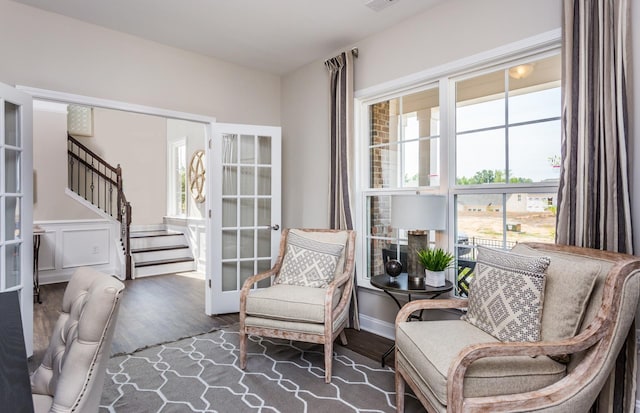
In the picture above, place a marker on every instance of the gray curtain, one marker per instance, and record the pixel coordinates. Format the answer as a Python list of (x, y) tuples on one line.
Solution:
[(593, 198), (340, 213)]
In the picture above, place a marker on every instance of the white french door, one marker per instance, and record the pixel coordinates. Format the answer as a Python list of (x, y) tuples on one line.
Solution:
[(16, 202), (244, 223)]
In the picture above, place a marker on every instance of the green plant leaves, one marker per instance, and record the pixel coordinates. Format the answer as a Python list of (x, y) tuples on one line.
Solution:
[(435, 259)]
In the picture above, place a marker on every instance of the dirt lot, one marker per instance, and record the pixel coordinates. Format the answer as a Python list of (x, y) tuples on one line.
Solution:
[(533, 226)]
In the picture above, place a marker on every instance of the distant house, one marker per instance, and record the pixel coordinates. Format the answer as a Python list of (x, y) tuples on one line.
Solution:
[(515, 202), (480, 203)]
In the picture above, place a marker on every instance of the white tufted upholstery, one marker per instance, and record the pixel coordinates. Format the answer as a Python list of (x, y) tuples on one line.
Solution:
[(71, 375)]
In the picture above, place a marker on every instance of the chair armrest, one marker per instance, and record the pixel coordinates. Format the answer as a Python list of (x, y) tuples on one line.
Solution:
[(345, 278), (455, 378), (249, 282), (248, 285), (431, 304)]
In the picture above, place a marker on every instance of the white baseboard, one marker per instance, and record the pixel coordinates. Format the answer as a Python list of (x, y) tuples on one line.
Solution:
[(379, 327)]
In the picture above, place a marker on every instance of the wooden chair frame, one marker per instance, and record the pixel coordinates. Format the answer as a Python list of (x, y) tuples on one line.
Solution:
[(599, 333), (330, 313)]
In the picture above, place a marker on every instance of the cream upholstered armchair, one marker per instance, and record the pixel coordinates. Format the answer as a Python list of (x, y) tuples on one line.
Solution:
[(587, 304), (71, 376), (309, 296)]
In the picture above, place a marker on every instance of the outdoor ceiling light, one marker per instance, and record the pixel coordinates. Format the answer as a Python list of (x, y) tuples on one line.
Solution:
[(521, 71)]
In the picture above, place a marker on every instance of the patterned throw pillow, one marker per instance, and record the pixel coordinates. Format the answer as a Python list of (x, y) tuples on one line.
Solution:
[(506, 294), (308, 262)]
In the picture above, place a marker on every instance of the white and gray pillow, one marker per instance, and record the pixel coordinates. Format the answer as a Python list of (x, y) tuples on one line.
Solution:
[(506, 295), (308, 262)]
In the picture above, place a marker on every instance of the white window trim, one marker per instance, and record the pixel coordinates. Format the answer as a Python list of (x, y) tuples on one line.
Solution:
[(445, 75)]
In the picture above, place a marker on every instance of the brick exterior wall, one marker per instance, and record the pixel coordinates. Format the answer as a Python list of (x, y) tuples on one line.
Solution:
[(380, 207)]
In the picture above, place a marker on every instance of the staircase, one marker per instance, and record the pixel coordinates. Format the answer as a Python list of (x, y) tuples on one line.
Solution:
[(160, 252), (100, 184)]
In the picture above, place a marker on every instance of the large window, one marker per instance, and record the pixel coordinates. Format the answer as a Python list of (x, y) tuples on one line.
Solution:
[(507, 140), (489, 139), (403, 152)]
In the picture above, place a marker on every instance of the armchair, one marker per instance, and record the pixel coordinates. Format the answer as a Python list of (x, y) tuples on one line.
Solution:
[(298, 312), (71, 376), (453, 366)]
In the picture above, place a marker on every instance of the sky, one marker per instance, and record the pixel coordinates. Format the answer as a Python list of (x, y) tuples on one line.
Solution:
[(486, 149)]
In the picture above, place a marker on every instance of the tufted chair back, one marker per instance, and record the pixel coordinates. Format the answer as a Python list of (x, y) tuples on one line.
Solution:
[(71, 375)]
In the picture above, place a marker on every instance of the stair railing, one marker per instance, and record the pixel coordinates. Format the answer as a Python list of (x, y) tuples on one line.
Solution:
[(95, 180)]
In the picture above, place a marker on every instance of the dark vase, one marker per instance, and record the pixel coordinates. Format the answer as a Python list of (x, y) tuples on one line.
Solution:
[(393, 268)]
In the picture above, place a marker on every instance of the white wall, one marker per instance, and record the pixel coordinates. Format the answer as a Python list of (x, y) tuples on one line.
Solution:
[(138, 144), (450, 31), (305, 147), (50, 166), (45, 50)]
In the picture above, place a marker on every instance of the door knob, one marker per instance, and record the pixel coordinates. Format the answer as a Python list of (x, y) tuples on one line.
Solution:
[(275, 227)]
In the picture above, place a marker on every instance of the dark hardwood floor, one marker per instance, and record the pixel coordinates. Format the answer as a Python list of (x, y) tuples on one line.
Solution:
[(165, 308)]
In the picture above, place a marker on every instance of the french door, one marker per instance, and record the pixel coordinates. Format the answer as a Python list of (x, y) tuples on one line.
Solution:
[(16, 202), (244, 222)]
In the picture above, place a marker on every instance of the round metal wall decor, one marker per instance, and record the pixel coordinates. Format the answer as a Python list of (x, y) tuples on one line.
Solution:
[(197, 176)]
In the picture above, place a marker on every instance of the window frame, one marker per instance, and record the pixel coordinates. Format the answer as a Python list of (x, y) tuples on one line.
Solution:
[(445, 78), (172, 187)]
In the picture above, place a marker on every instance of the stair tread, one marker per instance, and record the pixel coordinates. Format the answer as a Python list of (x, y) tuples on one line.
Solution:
[(161, 248), (161, 262), (157, 233)]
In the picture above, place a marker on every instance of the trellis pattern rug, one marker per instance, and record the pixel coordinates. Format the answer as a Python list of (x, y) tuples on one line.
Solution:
[(202, 374)]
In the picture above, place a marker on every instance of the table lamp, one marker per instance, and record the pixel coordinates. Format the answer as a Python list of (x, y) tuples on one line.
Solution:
[(418, 214)]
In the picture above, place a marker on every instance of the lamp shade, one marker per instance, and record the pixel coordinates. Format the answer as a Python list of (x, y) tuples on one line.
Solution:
[(419, 212)]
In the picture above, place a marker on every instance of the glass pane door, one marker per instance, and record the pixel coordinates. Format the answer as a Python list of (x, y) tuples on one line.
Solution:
[(16, 270), (246, 227)]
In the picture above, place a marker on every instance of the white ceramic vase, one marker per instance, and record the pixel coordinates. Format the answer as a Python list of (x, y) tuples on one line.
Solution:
[(434, 278)]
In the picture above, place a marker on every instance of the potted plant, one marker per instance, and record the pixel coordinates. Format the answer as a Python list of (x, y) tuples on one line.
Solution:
[(435, 261)]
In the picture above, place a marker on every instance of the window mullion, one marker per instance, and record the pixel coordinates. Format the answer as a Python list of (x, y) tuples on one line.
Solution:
[(401, 145), (506, 126)]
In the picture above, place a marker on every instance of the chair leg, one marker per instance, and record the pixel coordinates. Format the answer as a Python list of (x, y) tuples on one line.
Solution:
[(328, 357), (399, 392), (343, 338), (243, 348)]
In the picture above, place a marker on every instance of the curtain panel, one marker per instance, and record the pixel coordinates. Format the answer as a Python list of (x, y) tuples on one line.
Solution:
[(593, 196), (341, 73), (340, 211)]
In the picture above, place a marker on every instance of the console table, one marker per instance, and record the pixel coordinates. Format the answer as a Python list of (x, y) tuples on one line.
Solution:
[(402, 285), (37, 234)]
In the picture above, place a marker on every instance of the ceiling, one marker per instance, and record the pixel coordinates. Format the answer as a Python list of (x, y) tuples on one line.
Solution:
[(275, 36)]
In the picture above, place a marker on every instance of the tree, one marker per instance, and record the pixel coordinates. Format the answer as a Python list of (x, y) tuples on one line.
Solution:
[(487, 176)]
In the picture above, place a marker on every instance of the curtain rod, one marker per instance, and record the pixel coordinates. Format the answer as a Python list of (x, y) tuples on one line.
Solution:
[(354, 53)]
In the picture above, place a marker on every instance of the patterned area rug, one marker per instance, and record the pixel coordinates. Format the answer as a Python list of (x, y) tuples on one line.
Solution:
[(202, 374)]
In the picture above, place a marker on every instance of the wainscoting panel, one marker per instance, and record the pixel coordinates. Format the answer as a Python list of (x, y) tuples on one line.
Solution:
[(85, 247), (66, 245)]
